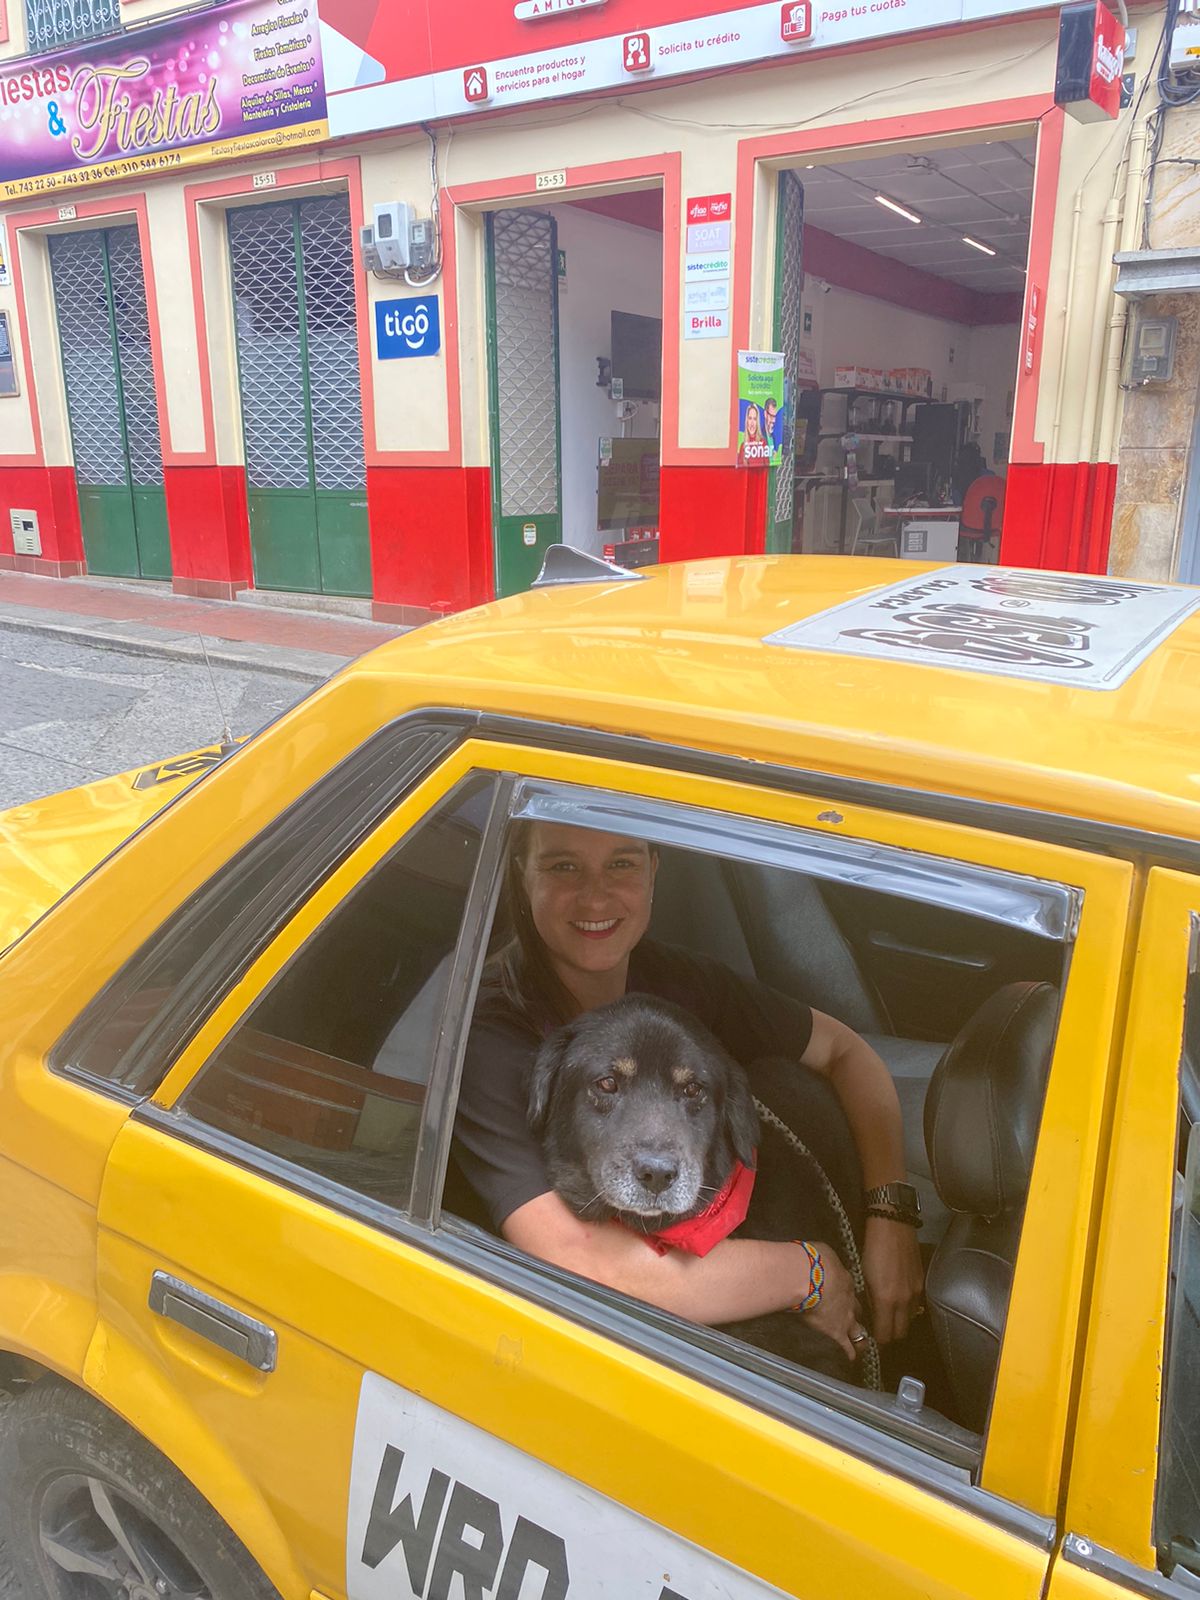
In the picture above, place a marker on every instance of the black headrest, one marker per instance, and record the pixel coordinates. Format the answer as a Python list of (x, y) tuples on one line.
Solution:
[(985, 1101)]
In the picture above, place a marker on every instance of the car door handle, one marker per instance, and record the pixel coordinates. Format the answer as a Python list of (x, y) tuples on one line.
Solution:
[(230, 1330), (949, 958)]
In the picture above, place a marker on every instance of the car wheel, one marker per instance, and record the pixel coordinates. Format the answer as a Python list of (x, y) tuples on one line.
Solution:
[(89, 1510)]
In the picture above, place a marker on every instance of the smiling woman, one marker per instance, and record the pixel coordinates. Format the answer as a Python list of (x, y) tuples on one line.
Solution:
[(579, 904)]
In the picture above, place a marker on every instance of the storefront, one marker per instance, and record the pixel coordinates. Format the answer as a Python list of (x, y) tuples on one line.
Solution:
[(596, 222)]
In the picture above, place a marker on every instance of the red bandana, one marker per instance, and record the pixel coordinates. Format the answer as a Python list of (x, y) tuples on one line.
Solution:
[(697, 1235)]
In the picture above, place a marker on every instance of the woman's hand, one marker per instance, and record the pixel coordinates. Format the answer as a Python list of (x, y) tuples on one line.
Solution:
[(837, 1313), (891, 1261)]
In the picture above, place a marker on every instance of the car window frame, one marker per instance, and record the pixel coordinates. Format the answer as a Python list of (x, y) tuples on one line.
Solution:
[(1110, 1512), (314, 834), (599, 1309)]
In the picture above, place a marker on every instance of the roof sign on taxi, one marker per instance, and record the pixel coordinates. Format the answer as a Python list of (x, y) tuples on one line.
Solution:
[(1049, 626)]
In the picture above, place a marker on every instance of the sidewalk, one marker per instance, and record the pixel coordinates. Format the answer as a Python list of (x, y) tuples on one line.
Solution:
[(152, 621)]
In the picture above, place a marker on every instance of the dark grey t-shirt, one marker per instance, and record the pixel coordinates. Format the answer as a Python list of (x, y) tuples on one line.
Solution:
[(494, 1149)]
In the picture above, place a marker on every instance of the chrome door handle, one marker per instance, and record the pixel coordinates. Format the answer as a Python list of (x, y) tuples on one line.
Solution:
[(230, 1330)]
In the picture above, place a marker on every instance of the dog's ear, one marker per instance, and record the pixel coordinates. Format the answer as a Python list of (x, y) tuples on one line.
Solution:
[(741, 1119), (542, 1076)]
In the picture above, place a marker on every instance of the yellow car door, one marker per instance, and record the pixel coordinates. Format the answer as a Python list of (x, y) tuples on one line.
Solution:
[(1132, 1523), (381, 1399)]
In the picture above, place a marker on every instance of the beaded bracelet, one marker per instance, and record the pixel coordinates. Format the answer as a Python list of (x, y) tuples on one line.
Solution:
[(816, 1278)]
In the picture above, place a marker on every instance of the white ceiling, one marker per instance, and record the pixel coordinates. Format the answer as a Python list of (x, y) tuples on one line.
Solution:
[(981, 189)]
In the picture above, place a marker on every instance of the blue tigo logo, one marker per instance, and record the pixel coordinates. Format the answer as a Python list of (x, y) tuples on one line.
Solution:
[(409, 327)]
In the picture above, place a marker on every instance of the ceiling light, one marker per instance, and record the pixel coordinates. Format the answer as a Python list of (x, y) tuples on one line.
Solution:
[(894, 205), (975, 245)]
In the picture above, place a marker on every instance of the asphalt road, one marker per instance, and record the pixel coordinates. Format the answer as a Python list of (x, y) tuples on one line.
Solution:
[(70, 713)]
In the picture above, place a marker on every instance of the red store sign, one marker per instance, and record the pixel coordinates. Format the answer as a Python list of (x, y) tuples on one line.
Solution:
[(709, 208), (1032, 324)]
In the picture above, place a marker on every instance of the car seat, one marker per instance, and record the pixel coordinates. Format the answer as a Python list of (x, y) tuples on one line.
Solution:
[(765, 923), (981, 1122), (768, 923)]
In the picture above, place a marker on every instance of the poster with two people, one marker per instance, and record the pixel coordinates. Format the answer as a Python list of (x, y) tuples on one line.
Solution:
[(761, 407)]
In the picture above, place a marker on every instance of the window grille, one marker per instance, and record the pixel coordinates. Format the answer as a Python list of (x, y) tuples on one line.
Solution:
[(55, 22)]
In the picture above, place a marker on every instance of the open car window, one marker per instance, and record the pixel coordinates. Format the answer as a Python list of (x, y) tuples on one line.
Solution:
[(910, 950)]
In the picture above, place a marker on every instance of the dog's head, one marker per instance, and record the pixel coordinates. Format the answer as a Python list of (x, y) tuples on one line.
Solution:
[(640, 1111)]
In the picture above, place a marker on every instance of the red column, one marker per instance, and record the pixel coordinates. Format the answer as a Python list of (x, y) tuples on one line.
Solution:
[(50, 493), (431, 540), (209, 530), (711, 511)]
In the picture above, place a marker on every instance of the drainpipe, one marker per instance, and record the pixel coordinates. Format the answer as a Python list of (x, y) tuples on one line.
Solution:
[(1111, 395), (1064, 348), (1085, 447)]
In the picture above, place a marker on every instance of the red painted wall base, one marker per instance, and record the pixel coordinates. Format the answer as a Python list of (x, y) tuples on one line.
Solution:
[(431, 539), (1059, 515), (209, 528), (431, 527), (711, 511), (50, 491)]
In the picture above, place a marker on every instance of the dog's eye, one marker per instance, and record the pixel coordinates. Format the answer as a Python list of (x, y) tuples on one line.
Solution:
[(693, 1090), (608, 1085)]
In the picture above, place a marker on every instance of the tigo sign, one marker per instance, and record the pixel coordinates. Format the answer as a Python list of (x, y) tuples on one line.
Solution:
[(408, 327)]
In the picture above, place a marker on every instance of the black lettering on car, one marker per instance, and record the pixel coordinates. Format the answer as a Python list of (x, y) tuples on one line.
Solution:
[(181, 767), (470, 1545), (1078, 590), (476, 1563), (390, 1524), (532, 1546)]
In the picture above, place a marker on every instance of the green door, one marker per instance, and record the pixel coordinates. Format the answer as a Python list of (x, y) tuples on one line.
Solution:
[(523, 363), (104, 336), (789, 284), (297, 342)]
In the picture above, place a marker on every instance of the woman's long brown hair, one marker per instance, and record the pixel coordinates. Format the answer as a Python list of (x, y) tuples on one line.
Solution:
[(522, 969)]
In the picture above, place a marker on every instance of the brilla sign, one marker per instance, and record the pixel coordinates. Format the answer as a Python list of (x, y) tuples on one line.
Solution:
[(1091, 58)]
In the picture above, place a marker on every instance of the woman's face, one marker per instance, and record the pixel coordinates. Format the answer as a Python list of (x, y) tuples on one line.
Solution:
[(752, 422), (589, 894)]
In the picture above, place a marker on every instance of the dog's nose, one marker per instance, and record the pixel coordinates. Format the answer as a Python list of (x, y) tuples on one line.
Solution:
[(655, 1172)]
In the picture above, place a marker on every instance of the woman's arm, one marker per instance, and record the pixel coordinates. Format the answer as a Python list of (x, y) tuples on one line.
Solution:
[(739, 1278), (863, 1084)]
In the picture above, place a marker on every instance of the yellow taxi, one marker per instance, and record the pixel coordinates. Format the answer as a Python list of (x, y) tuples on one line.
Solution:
[(252, 1341)]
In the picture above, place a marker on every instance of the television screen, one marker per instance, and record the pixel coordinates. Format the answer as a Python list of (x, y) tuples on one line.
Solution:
[(637, 354)]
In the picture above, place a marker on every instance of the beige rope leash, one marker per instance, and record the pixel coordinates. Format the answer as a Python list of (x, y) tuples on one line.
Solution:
[(869, 1352)]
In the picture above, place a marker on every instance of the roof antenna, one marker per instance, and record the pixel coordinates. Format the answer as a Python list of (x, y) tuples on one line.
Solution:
[(226, 731)]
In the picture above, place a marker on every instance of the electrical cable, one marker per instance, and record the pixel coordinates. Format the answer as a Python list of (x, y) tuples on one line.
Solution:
[(1169, 92), (826, 111)]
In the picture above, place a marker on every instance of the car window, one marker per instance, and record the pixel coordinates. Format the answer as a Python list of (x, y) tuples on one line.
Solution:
[(129, 1035), (749, 929), (1178, 1507), (329, 1068)]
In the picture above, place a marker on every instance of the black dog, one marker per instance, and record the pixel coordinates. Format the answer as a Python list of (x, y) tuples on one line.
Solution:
[(643, 1117)]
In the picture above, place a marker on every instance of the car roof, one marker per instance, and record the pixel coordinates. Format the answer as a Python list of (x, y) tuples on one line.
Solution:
[(689, 656)]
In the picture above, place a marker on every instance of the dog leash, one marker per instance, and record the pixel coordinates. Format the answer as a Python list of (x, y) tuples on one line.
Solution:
[(872, 1374)]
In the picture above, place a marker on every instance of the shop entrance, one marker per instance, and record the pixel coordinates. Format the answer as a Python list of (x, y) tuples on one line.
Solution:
[(104, 337), (298, 377), (575, 353), (899, 290)]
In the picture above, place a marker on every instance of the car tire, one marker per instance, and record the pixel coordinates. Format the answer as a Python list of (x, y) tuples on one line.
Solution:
[(90, 1508)]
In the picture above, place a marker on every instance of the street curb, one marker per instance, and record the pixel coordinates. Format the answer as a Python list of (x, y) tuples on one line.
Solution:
[(314, 666)]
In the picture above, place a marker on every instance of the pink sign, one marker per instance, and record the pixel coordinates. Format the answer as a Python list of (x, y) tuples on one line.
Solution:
[(213, 84)]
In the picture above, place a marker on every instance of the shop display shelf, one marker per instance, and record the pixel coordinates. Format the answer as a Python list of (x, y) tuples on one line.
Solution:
[(868, 438)]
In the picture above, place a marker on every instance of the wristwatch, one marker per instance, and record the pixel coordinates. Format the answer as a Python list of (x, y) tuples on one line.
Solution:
[(898, 1202)]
